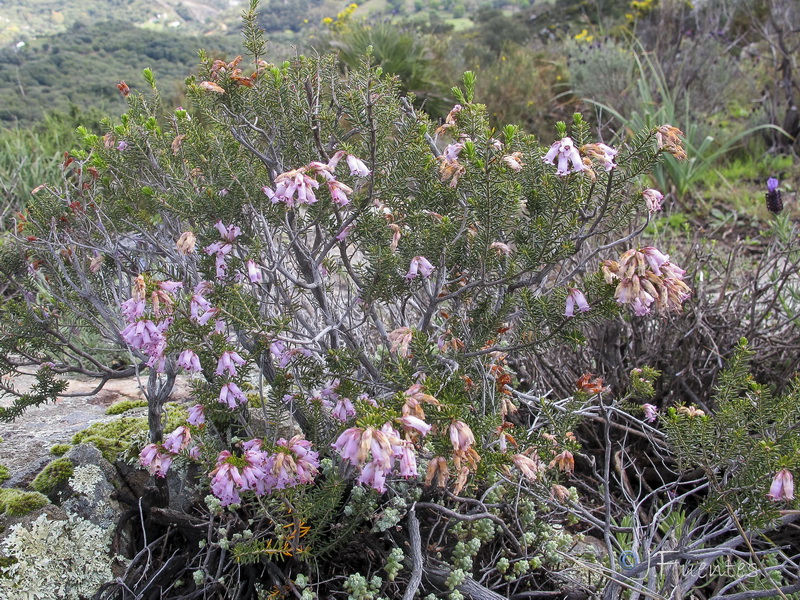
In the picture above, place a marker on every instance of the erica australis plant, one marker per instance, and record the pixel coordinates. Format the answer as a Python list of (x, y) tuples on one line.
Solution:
[(343, 282)]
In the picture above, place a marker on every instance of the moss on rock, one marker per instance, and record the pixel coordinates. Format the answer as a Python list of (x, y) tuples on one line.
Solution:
[(16, 503), (4, 473), (57, 472), (60, 449), (124, 406), (114, 437)]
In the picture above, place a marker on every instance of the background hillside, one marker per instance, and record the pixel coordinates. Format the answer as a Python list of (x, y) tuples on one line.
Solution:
[(56, 56), (719, 70), (23, 19)]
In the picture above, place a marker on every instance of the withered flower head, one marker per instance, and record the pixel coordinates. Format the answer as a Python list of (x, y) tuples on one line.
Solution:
[(186, 243)]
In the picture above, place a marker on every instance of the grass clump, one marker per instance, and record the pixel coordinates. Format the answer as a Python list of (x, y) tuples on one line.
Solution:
[(124, 406), (16, 503), (55, 473)]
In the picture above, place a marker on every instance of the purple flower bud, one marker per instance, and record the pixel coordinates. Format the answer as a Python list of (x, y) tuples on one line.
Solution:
[(774, 201)]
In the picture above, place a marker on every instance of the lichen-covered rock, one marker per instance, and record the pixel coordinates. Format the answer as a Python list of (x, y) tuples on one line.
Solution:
[(55, 559), (91, 487), (64, 552)]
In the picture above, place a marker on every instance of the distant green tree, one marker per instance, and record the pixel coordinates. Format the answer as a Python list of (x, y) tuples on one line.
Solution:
[(397, 52), (493, 29)]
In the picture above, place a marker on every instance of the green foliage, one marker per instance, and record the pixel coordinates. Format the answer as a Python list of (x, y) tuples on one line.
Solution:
[(29, 21), (124, 406), (641, 383), (410, 296), (520, 85), (750, 436), (30, 157), (659, 105), (45, 389), (276, 16), (17, 503), (54, 474)]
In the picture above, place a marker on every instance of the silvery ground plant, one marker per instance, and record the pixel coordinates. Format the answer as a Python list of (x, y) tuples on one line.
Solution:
[(344, 283)]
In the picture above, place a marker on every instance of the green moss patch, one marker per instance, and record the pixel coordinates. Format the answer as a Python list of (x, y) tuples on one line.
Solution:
[(16, 503), (57, 472), (4, 473), (124, 406), (114, 437), (60, 449)]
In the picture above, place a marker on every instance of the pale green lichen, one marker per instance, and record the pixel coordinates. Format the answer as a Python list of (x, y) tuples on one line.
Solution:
[(86, 479), (16, 503), (124, 406), (54, 474), (68, 560)]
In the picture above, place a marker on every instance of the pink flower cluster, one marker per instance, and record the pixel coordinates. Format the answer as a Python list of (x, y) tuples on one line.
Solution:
[(292, 464), (650, 412), (646, 277), (232, 395), (229, 393), (567, 155), (285, 355), (419, 266), (189, 361), (603, 154), (449, 167), (465, 457), (158, 457), (200, 309), (653, 199), (143, 333), (376, 450), (575, 298), (343, 408), (297, 186), (228, 362), (239, 473), (782, 487), (220, 250)]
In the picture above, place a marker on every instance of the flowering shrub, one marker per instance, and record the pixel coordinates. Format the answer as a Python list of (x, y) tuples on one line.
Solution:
[(344, 284), (371, 307)]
